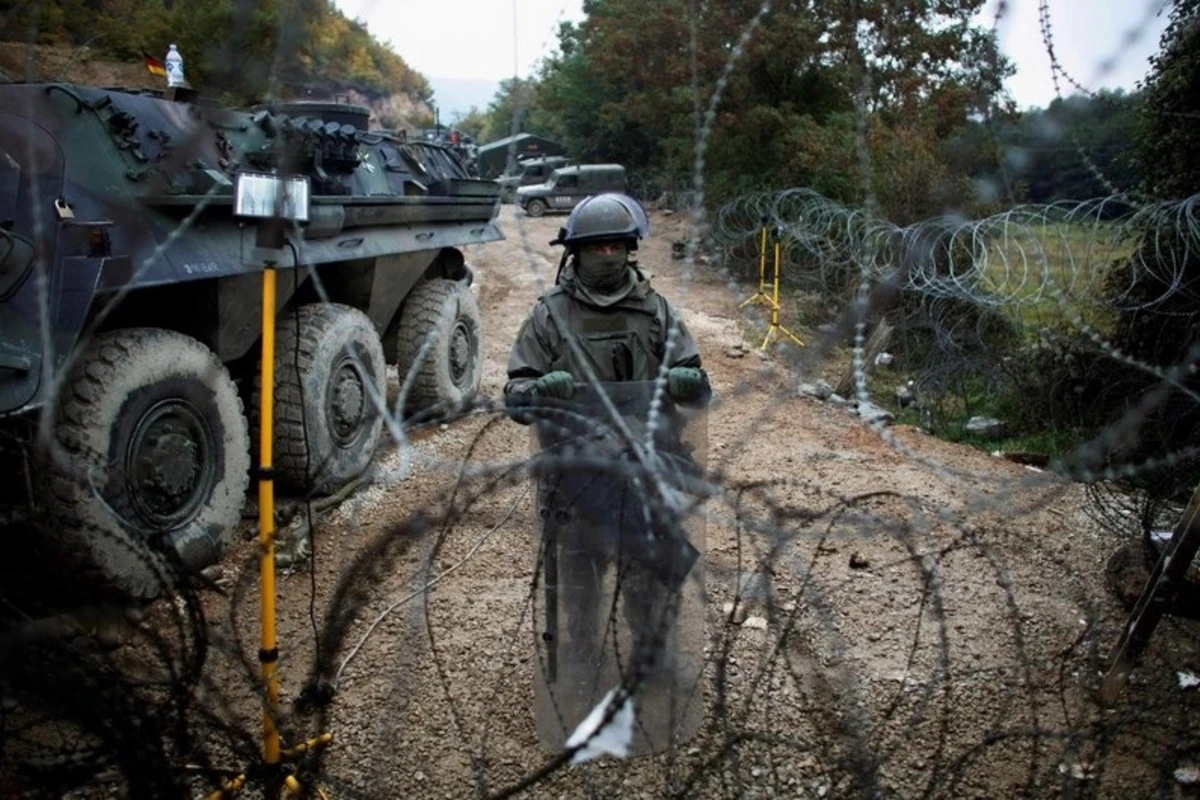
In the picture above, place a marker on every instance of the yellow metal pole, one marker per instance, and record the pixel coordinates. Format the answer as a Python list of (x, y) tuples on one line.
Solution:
[(311, 744), (771, 329), (760, 295), (775, 297), (762, 261), (229, 789), (269, 655)]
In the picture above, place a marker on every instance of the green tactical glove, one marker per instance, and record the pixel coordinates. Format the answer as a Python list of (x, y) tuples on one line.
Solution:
[(685, 383), (555, 384)]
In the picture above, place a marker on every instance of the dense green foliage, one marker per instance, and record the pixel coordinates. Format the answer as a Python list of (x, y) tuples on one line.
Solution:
[(241, 50), (1169, 130), (634, 83), (509, 112), (1157, 289), (1146, 144), (1165, 320), (1076, 149), (1168, 147)]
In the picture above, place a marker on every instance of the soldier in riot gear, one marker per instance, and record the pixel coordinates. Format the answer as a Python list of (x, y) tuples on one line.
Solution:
[(606, 305), (600, 329)]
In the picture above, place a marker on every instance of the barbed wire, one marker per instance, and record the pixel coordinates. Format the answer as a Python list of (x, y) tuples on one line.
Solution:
[(869, 615)]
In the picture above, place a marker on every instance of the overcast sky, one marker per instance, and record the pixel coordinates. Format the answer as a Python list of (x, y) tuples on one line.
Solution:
[(1101, 43)]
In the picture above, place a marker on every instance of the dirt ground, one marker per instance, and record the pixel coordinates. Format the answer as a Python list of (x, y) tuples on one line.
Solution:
[(926, 619)]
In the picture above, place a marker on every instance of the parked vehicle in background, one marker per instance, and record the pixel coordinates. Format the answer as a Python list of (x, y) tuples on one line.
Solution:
[(529, 172), (568, 185), (495, 158)]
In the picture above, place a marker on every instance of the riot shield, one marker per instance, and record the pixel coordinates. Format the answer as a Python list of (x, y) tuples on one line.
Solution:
[(619, 539)]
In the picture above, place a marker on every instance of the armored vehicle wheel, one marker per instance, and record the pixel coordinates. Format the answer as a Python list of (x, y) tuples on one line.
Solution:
[(328, 364), (535, 208), (447, 375), (150, 439)]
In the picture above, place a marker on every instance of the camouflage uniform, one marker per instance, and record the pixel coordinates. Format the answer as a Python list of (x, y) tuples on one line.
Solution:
[(617, 336), (625, 341)]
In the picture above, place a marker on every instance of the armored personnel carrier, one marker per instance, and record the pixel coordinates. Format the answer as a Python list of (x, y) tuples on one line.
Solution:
[(130, 312)]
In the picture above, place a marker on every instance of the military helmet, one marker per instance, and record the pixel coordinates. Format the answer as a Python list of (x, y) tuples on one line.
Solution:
[(605, 216)]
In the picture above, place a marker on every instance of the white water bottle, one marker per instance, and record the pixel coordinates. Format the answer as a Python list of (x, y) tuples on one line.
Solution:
[(174, 65)]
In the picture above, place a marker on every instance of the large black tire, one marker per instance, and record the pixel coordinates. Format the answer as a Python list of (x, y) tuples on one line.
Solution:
[(329, 380), (149, 440), (535, 207), (445, 378)]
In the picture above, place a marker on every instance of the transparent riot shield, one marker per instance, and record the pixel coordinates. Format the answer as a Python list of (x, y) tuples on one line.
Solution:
[(619, 539)]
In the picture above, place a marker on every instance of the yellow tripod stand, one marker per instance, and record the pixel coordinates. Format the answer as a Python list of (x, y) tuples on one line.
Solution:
[(776, 328), (761, 295), (274, 754)]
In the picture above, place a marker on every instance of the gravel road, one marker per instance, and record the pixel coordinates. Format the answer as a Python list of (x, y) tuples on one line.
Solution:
[(924, 619)]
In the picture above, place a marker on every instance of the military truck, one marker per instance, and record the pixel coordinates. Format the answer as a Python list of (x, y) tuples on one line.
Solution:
[(130, 316), (528, 172), (495, 157), (566, 186)]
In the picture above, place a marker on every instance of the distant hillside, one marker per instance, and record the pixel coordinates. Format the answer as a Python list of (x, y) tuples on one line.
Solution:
[(21, 62), (308, 50), (38, 63)]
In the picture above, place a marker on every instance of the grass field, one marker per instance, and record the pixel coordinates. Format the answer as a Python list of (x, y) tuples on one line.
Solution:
[(1052, 272)]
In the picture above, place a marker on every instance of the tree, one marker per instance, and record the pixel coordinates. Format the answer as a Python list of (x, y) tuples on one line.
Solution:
[(1159, 286), (509, 110), (471, 123), (632, 82), (240, 51), (1169, 131), (1154, 292), (568, 97), (1078, 148)]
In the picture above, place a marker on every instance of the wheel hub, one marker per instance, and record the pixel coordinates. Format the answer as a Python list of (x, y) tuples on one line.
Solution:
[(346, 403), (461, 354), (172, 463), (168, 468)]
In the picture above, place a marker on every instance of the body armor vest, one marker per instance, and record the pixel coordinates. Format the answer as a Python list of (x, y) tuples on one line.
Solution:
[(623, 342)]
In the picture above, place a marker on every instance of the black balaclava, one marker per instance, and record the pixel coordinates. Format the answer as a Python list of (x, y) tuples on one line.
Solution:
[(602, 271), (604, 278)]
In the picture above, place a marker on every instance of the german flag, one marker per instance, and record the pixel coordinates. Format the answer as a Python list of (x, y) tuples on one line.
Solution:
[(153, 65)]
